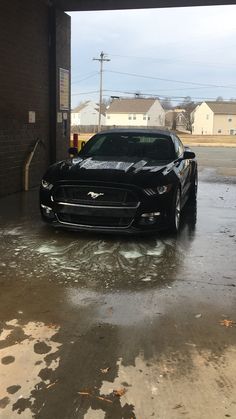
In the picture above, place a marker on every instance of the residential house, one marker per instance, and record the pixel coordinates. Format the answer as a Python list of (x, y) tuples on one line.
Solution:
[(214, 118), (87, 114), (176, 119), (136, 112)]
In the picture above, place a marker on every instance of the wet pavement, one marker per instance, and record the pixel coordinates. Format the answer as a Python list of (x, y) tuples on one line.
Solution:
[(98, 327)]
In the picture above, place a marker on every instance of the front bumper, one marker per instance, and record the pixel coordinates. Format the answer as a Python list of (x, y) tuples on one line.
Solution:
[(148, 214)]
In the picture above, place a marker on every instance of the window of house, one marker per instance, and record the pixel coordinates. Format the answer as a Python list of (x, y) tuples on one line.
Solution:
[(207, 116), (108, 117), (144, 117), (219, 131), (229, 119), (130, 117), (134, 116), (149, 118)]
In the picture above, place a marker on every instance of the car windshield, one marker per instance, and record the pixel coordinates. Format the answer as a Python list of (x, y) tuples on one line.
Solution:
[(131, 145)]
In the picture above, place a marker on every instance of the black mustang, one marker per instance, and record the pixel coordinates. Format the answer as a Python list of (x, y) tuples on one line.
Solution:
[(123, 180)]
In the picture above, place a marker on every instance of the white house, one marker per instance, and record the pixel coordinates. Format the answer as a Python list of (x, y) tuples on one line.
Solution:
[(176, 119), (135, 113), (87, 114), (214, 118)]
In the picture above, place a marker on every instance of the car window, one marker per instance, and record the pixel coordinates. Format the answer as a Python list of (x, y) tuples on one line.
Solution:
[(179, 148), (150, 146)]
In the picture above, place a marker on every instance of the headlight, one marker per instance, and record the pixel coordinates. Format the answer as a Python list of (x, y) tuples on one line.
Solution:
[(159, 190), (46, 185), (162, 189)]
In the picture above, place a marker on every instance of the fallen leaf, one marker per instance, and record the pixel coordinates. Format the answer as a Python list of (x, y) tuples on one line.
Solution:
[(105, 370), (85, 393), (167, 370), (227, 323), (198, 316), (191, 344), (178, 406), (103, 399), (52, 384), (52, 326), (120, 392)]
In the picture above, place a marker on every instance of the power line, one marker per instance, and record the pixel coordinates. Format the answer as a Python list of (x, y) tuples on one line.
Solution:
[(169, 80), (85, 93), (186, 88), (178, 101), (85, 78), (171, 61), (157, 95)]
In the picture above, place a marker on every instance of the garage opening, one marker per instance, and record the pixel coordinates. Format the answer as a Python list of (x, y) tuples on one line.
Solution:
[(170, 68)]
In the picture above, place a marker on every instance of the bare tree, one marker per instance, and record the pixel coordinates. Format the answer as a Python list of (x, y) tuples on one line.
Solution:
[(166, 103), (188, 105)]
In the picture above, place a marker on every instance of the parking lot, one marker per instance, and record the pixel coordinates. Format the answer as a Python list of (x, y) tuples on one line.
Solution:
[(106, 327)]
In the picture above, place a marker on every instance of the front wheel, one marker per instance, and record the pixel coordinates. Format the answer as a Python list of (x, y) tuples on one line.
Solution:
[(175, 212), (193, 188)]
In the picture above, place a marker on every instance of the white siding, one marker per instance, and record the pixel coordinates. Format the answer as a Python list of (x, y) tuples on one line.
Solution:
[(75, 118), (87, 116), (156, 115), (203, 120), (125, 119), (224, 124)]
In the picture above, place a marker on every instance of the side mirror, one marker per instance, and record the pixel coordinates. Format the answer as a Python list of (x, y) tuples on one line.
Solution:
[(189, 155), (73, 152)]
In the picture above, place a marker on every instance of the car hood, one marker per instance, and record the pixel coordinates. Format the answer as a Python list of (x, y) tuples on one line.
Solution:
[(124, 170)]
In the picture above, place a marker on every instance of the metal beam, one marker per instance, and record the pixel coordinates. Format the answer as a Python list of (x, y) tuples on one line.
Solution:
[(86, 5), (52, 83)]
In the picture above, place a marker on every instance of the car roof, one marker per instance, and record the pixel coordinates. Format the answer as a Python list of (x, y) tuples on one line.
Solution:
[(136, 131)]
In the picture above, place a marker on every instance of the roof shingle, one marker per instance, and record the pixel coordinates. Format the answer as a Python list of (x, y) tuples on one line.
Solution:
[(224, 108), (130, 105)]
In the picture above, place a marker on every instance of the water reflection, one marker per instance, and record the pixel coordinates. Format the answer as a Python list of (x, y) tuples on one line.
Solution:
[(93, 260), (92, 303)]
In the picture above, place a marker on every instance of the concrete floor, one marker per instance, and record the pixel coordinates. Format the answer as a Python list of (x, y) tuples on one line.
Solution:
[(101, 327)]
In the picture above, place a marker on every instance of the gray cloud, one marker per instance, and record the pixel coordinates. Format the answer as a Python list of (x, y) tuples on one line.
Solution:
[(189, 44)]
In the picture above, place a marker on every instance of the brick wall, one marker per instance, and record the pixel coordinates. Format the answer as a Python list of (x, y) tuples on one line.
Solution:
[(25, 86)]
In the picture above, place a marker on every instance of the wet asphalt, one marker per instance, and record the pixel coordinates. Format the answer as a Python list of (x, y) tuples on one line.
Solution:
[(97, 327)]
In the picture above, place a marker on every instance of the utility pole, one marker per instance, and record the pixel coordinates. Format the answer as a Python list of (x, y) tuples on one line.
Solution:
[(101, 60)]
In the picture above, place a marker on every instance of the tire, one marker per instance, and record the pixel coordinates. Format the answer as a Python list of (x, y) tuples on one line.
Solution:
[(194, 188), (176, 212)]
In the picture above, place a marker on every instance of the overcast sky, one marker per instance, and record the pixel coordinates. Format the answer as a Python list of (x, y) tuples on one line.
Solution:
[(192, 45)]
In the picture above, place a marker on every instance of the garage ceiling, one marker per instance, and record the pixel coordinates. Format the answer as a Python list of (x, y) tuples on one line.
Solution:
[(80, 5)]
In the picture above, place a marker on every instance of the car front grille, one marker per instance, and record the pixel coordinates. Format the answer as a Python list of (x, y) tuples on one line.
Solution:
[(95, 206), (95, 195)]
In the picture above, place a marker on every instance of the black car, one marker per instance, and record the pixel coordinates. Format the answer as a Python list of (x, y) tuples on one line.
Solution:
[(123, 180)]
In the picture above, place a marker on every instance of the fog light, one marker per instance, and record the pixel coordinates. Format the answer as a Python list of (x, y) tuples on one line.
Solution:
[(46, 185), (150, 214), (47, 211), (149, 217)]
